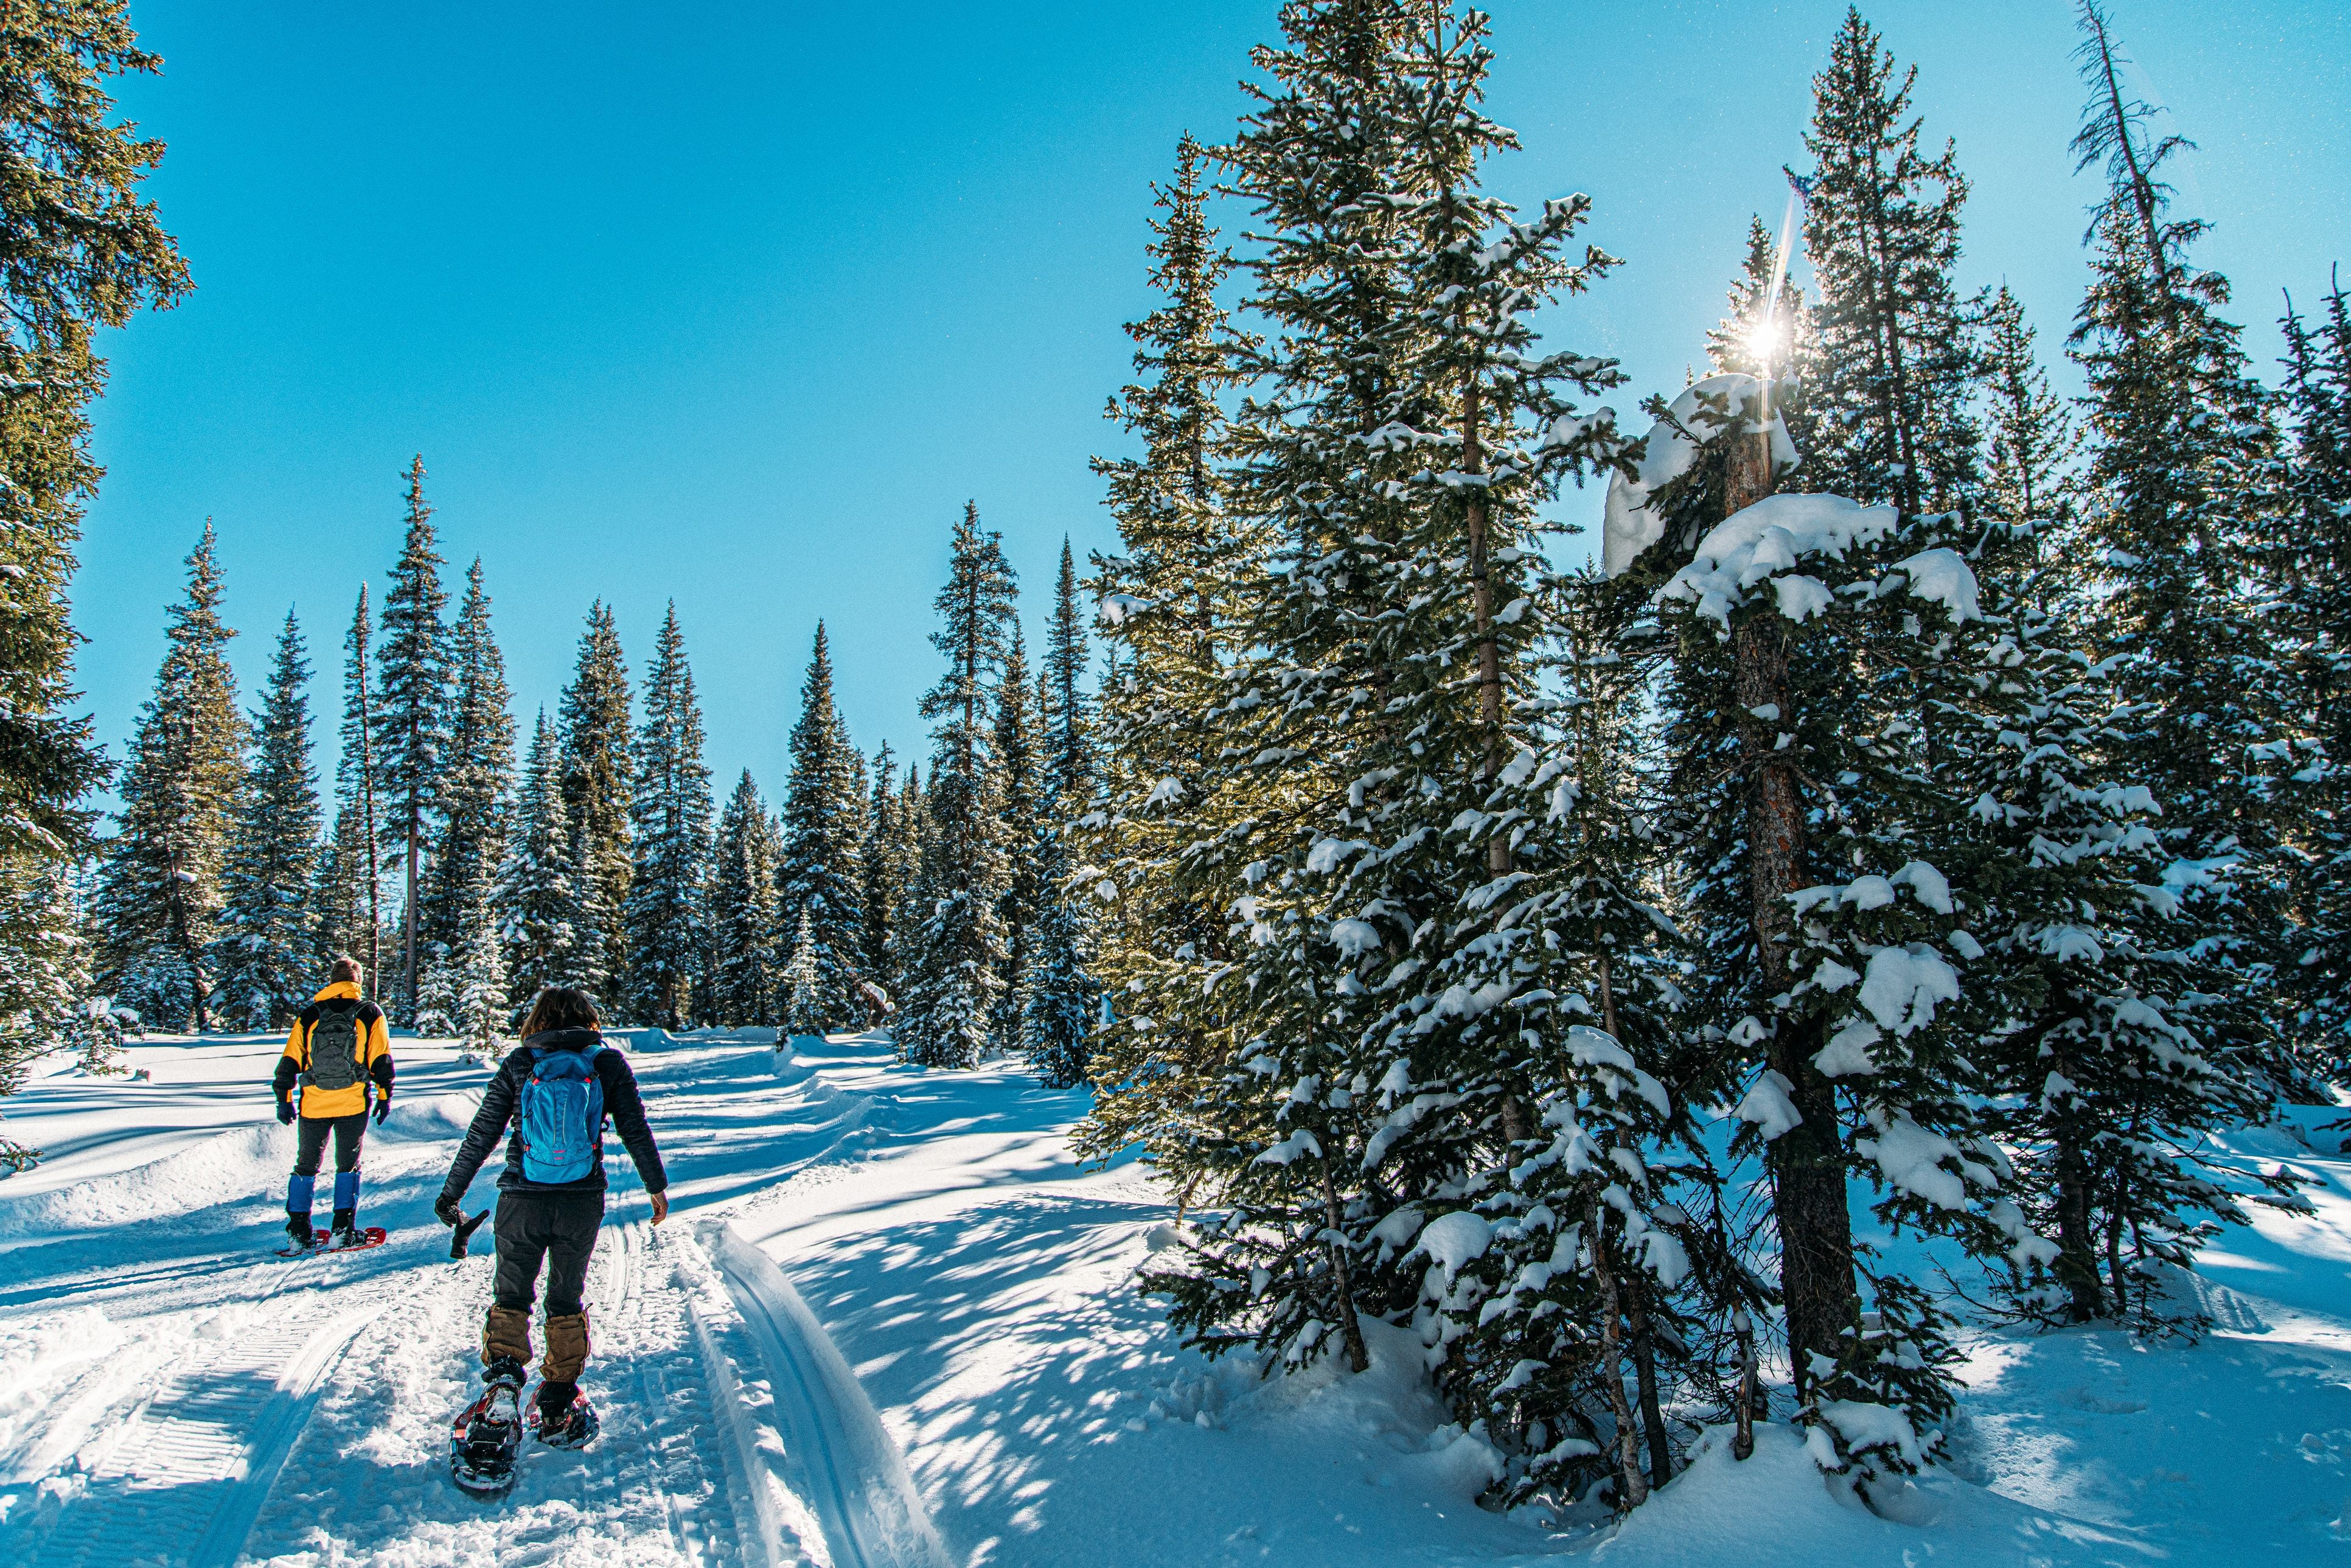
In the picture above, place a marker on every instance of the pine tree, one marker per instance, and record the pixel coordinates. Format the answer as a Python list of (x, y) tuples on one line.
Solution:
[(670, 818), (954, 976), (1374, 741), (743, 918), (596, 795), (411, 717), (1061, 998), (881, 883), (1770, 337), (1015, 752), (84, 251), (2182, 473), (817, 879), (537, 899), (159, 893), (478, 778), (266, 956), (909, 851), (1890, 401), (802, 1012), (2314, 579), (1171, 603), (350, 877)]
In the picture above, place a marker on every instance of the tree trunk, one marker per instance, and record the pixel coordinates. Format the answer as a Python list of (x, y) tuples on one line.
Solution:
[(1481, 603), (1807, 1162), (2077, 1253), (1359, 1358), (1644, 1373), (1612, 1370), (1742, 1441)]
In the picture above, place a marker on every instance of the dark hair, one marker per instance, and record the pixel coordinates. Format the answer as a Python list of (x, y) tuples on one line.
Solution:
[(558, 1006), (344, 968)]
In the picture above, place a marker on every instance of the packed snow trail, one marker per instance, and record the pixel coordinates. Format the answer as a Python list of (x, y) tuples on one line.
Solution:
[(890, 1325)]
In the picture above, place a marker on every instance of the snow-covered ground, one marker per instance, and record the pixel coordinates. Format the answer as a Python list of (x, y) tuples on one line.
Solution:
[(889, 1322)]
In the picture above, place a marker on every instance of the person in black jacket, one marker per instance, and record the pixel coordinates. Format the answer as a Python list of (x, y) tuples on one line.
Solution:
[(554, 1222)]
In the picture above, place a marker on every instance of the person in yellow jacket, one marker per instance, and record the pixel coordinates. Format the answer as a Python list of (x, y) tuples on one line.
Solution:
[(337, 1054)]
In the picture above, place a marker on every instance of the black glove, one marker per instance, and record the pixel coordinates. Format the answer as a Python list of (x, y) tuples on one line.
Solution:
[(286, 1112), (446, 1211), (382, 1108)]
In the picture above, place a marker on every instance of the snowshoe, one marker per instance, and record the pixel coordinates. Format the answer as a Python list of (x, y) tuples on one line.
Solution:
[(573, 1426), (482, 1444)]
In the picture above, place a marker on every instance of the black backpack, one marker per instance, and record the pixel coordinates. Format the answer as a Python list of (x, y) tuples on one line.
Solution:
[(334, 1048)]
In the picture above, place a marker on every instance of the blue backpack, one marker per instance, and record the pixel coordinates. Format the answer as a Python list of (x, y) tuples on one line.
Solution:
[(562, 1115)]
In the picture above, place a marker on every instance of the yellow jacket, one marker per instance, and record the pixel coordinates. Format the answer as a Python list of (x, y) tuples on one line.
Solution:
[(320, 1104)]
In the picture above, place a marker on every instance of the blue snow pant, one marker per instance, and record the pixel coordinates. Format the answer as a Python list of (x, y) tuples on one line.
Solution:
[(310, 1146)]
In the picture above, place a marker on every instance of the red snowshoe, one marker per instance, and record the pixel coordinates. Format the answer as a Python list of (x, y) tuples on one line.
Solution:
[(482, 1445), (574, 1427)]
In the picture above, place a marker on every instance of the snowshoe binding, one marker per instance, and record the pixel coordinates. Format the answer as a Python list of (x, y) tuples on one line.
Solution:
[(573, 1426), (482, 1445)]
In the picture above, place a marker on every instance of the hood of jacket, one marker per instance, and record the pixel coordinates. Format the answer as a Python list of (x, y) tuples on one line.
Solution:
[(565, 1039), (338, 991)]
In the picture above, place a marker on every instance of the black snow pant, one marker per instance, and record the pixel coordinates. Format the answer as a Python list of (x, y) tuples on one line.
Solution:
[(310, 1142), (556, 1227)]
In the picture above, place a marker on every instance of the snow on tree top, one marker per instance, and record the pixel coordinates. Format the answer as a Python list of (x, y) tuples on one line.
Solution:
[(1757, 543), (1667, 452)]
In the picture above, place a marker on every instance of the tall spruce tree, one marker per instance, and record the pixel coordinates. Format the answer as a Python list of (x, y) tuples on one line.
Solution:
[(954, 974), (83, 250), (881, 881), (1375, 734), (596, 794), (412, 718), (1016, 749), (537, 901), (744, 917), (670, 818), (266, 956), (1890, 415), (2180, 477), (817, 880), (1061, 999), (476, 782), (350, 873), (2314, 579), (159, 894), (1171, 603), (2033, 453)]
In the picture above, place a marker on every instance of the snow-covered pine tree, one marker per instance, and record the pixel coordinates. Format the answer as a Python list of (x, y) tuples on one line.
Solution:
[(816, 878), (2314, 575), (1019, 776), (743, 914), (881, 881), (350, 873), (1772, 339), (47, 1004), (799, 982), (1061, 1001), (412, 718), (1889, 407), (267, 954), (594, 716), (2182, 469), (159, 893), (1378, 723), (910, 848), (479, 779), (85, 250), (954, 973), (2031, 455), (537, 901), (670, 818), (1170, 606)]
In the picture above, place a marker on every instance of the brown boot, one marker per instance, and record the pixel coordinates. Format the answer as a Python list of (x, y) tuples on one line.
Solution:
[(506, 1341), (567, 1348)]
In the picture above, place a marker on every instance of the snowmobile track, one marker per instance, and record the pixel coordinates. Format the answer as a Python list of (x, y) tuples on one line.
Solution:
[(651, 1437), (851, 1472)]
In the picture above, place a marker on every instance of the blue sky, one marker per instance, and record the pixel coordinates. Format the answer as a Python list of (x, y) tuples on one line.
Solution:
[(736, 305)]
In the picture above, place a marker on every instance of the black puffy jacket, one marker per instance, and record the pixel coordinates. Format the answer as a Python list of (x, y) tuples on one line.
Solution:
[(502, 1098)]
